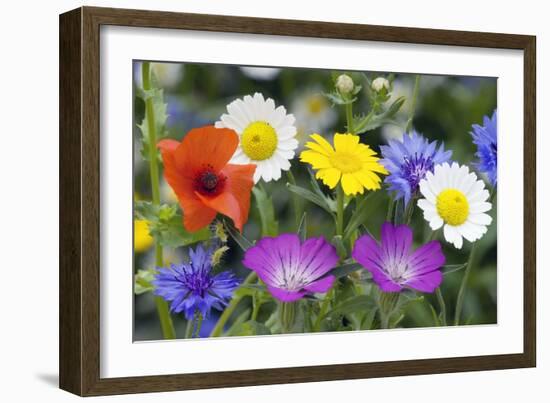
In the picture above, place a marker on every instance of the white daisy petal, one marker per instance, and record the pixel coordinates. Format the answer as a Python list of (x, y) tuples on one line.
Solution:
[(480, 207), (452, 236), (290, 144), (480, 219), (426, 191), (232, 123), (436, 223)]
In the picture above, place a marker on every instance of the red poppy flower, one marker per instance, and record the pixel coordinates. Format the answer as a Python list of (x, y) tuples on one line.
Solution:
[(203, 181)]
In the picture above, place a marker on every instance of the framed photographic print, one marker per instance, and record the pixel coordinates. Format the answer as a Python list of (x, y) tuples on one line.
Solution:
[(250, 201)]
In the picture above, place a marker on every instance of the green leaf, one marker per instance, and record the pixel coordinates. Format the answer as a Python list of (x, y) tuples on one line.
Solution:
[(142, 281), (359, 303), (302, 227), (338, 99), (250, 328), (344, 270), (368, 205), (310, 196), (239, 239), (451, 268), (371, 122), (264, 203), (238, 322), (166, 225), (160, 115), (435, 316)]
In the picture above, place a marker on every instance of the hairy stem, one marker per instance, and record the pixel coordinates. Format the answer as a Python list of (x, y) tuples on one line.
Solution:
[(167, 326)]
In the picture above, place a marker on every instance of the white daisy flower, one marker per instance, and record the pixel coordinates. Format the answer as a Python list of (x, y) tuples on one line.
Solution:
[(266, 135), (456, 200)]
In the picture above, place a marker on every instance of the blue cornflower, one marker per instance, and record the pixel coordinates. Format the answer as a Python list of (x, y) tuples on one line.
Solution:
[(485, 138), (408, 161), (192, 287)]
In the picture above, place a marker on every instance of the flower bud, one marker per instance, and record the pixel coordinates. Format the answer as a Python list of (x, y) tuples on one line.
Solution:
[(380, 83), (344, 84)]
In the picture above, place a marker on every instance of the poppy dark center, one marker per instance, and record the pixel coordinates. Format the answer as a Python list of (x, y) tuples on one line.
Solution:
[(208, 182)]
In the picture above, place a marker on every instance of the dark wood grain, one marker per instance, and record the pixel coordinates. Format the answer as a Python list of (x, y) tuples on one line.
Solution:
[(80, 195)]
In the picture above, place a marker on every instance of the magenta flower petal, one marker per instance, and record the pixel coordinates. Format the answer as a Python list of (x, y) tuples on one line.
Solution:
[(394, 265), (284, 295), (322, 285), (426, 282), (291, 269)]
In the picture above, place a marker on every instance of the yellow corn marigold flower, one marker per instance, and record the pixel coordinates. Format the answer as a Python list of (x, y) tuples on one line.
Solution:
[(142, 239), (350, 162)]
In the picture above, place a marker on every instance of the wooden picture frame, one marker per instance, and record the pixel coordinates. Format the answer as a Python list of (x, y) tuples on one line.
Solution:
[(80, 199)]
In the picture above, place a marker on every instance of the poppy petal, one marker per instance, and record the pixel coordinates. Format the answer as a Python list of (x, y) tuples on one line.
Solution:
[(182, 185), (196, 215), (206, 146)]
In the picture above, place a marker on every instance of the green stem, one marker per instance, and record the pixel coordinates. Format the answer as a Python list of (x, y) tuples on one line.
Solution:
[(323, 310), (349, 118), (218, 329), (198, 320), (442, 307), (391, 205), (287, 316), (167, 326), (387, 304), (189, 328), (413, 103), (462, 290), (255, 307), (339, 210)]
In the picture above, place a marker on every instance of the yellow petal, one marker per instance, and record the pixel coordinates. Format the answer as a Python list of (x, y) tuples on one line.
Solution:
[(329, 176), (323, 143), (318, 148), (317, 160), (351, 185), (345, 142), (375, 167), (368, 179)]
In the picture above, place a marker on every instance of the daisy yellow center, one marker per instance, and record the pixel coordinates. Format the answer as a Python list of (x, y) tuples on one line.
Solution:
[(259, 141), (346, 162), (452, 206)]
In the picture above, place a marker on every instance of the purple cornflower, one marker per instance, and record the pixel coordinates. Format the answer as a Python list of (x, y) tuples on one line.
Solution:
[(408, 161), (485, 138), (192, 287), (291, 270), (394, 265)]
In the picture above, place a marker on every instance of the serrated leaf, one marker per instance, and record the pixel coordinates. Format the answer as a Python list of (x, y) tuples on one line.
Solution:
[(142, 281), (264, 203), (371, 122), (156, 97), (166, 224)]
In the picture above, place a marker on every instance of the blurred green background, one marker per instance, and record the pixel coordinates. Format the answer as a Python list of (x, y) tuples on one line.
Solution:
[(447, 106)]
